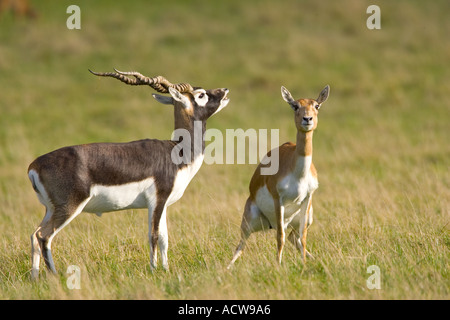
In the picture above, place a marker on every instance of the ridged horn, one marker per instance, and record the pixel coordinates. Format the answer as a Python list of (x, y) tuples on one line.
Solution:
[(159, 83)]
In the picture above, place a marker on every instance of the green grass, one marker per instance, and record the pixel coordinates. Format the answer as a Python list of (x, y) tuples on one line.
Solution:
[(381, 147)]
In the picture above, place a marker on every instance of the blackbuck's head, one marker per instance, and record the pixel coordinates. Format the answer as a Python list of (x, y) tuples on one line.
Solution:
[(306, 110), (198, 104), (191, 103)]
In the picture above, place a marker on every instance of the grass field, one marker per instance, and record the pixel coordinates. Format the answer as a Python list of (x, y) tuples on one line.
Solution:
[(381, 148)]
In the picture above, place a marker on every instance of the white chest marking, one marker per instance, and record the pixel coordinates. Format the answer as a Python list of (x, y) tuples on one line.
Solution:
[(183, 178)]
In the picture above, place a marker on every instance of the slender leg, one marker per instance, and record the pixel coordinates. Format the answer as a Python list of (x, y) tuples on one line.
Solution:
[(279, 210), (36, 247), (305, 227), (300, 226), (48, 229), (35, 255), (153, 253), (252, 221), (310, 216), (163, 239), (294, 238), (154, 232), (245, 233)]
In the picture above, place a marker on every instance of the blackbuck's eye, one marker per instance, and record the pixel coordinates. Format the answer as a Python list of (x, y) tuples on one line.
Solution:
[(201, 98)]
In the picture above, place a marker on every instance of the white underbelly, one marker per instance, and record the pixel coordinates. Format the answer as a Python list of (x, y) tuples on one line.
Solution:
[(132, 195), (137, 195)]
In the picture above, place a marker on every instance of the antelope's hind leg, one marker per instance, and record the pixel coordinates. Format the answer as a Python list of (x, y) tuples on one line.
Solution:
[(53, 222), (36, 246), (252, 220)]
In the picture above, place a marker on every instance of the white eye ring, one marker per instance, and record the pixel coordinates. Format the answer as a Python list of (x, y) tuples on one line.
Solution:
[(201, 98)]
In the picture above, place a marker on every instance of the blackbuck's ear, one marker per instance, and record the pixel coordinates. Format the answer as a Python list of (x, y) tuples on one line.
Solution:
[(178, 96), (288, 98), (323, 96), (163, 99)]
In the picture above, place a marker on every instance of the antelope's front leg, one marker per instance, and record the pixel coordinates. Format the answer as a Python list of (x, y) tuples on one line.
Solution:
[(163, 240), (158, 233), (300, 225), (307, 221)]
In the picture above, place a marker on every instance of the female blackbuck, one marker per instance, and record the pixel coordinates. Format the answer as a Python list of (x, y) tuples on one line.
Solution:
[(103, 177), (283, 200)]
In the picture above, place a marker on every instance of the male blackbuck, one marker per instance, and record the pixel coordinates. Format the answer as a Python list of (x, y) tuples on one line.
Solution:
[(283, 200), (103, 177)]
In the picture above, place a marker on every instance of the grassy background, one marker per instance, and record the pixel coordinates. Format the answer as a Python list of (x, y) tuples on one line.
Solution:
[(381, 149)]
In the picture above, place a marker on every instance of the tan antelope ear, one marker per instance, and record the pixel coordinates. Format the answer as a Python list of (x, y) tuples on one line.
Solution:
[(323, 96), (288, 98)]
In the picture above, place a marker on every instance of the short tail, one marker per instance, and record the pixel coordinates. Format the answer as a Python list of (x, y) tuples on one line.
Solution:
[(32, 177)]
